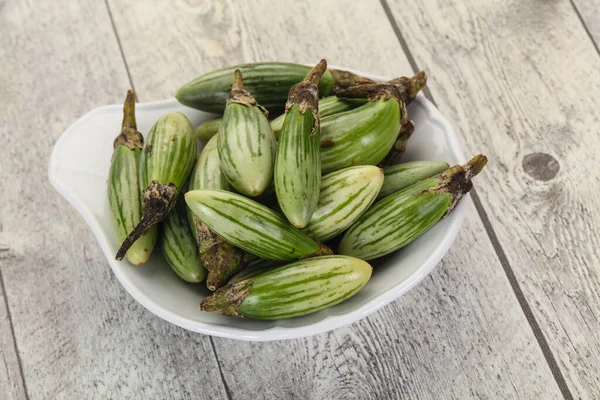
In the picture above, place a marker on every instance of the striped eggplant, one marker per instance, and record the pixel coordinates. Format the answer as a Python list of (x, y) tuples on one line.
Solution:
[(292, 290), (249, 225), (165, 165), (403, 216), (246, 142), (298, 163), (124, 194), (207, 173), (221, 258), (208, 129), (179, 245), (365, 135), (268, 82), (397, 177), (345, 195), (327, 106)]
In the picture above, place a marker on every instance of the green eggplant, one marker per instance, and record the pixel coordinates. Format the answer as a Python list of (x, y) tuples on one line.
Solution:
[(345, 195), (269, 83), (402, 217), (249, 225), (292, 290), (298, 163), (179, 245), (246, 142), (124, 194)]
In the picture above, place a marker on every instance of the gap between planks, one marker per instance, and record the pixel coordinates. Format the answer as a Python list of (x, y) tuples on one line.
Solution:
[(12, 332), (585, 27), (500, 254)]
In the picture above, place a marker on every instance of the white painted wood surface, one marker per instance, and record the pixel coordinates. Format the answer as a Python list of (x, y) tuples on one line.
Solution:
[(460, 334), (79, 334), (11, 381), (589, 12), (521, 80)]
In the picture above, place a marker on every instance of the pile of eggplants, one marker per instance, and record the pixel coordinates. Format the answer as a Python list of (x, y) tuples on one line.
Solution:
[(278, 216)]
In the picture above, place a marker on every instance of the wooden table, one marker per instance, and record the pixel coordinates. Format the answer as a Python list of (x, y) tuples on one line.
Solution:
[(513, 311)]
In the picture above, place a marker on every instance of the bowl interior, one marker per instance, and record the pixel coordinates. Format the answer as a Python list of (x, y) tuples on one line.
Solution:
[(80, 175)]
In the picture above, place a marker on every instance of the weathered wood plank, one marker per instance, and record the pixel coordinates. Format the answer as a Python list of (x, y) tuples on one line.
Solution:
[(461, 334), (79, 333), (181, 40), (11, 381), (521, 80), (589, 11)]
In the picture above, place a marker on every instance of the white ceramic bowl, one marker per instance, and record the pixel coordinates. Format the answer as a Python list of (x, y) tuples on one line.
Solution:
[(79, 169)]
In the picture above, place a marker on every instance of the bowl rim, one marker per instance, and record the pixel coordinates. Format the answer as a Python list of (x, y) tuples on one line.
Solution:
[(276, 332)]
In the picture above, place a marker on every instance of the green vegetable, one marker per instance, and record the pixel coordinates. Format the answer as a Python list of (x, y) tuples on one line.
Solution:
[(298, 164), (208, 129), (124, 193), (293, 290), (179, 246), (246, 142), (403, 216), (249, 225), (365, 135), (345, 195)]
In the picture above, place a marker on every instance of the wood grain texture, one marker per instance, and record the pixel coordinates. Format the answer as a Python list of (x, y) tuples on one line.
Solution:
[(80, 335), (589, 11), (521, 81), (172, 42), (460, 334), (11, 380)]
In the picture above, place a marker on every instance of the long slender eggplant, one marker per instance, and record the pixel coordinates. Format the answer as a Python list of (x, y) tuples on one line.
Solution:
[(269, 83), (165, 165), (292, 290), (298, 162), (246, 142), (250, 225), (402, 217), (124, 194), (365, 135)]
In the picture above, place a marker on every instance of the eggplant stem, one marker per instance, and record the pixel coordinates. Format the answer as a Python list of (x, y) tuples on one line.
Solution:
[(129, 111), (315, 74), (157, 201), (410, 87), (345, 79), (227, 299), (238, 81), (475, 165)]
